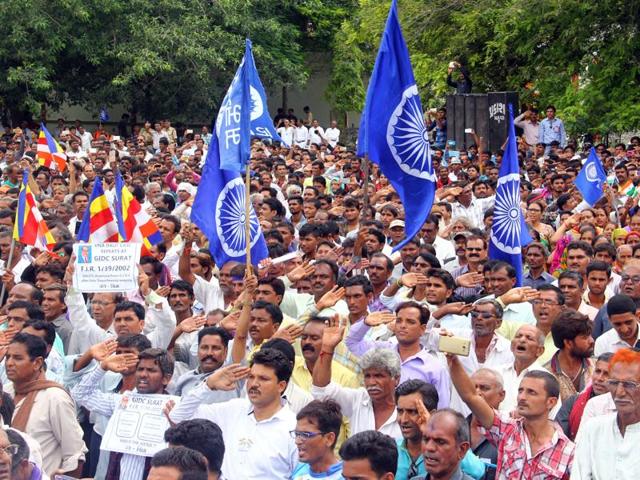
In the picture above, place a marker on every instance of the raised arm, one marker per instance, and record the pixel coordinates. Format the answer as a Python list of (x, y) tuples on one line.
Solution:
[(467, 391), (239, 348), (331, 337)]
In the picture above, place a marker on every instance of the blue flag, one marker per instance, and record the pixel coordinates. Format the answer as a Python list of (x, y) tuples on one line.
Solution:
[(219, 211), (591, 179), (104, 115), (243, 114), (509, 231), (393, 132)]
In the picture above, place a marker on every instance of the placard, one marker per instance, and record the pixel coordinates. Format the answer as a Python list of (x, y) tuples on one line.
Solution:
[(106, 267), (137, 425)]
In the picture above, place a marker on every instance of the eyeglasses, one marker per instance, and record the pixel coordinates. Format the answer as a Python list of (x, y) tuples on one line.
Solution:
[(471, 249), (304, 436), (626, 278), (11, 449), (539, 301), (626, 384), (101, 304)]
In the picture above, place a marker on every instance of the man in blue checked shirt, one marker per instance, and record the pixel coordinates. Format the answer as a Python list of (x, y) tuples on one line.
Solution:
[(552, 128)]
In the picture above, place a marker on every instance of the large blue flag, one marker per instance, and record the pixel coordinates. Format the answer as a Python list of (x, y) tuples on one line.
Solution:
[(509, 231), (243, 114), (591, 179), (393, 132), (219, 211)]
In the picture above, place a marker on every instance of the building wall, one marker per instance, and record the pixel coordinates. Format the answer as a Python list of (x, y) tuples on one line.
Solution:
[(312, 94)]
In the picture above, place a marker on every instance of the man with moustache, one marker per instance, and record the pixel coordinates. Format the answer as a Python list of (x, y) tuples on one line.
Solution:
[(311, 346), (256, 429), (571, 364), (527, 346), (607, 446), (371, 407), (445, 443), (213, 345), (549, 304), (415, 401), (531, 446), (476, 255)]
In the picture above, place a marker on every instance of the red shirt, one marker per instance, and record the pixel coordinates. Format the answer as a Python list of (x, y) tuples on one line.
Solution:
[(515, 459)]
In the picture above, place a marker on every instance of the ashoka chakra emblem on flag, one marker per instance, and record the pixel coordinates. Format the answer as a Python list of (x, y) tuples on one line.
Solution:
[(408, 138), (230, 219), (592, 173), (506, 215)]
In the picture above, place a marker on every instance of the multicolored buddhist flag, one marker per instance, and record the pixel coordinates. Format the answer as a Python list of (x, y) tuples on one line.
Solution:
[(49, 153), (29, 227), (98, 224), (134, 224)]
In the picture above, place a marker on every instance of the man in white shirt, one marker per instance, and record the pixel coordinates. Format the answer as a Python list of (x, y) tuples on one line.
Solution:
[(444, 248), (527, 346), (301, 135), (287, 132), (607, 446), (625, 333), (371, 407), (316, 133), (332, 134), (255, 429), (85, 137)]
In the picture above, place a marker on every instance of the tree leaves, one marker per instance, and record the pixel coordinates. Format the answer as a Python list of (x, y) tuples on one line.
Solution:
[(582, 56)]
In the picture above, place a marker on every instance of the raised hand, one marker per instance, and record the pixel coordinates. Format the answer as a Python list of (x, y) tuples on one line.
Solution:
[(457, 308), (290, 333), (409, 279), (470, 280), (379, 318), (333, 334), (143, 282), (163, 291), (520, 294), (230, 322), (226, 378), (119, 363), (423, 413), (102, 350), (192, 324), (330, 298), (300, 272)]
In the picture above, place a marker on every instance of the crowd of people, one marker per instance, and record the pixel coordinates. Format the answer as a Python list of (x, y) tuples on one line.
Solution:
[(329, 358)]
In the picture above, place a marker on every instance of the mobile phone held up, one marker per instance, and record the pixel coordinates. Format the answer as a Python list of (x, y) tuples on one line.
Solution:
[(455, 345)]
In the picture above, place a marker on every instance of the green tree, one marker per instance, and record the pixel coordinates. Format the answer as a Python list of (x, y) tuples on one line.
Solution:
[(582, 56), (161, 57)]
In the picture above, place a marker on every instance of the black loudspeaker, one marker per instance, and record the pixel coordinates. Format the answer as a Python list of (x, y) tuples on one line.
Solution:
[(485, 113)]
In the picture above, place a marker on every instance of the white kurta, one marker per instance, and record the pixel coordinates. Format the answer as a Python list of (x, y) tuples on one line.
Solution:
[(602, 453)]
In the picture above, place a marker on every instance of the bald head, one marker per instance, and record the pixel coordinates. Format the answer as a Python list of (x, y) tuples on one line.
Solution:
[(527, 345), (489, 385)]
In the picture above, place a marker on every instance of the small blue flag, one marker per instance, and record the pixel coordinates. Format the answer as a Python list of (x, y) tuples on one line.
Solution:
[(591, 179), (243, 114), (509, 231), (219, 211), (104, 115), (393, 132)]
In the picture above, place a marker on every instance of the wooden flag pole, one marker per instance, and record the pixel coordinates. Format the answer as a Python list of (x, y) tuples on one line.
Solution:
[(7, 267), (247, 213)]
